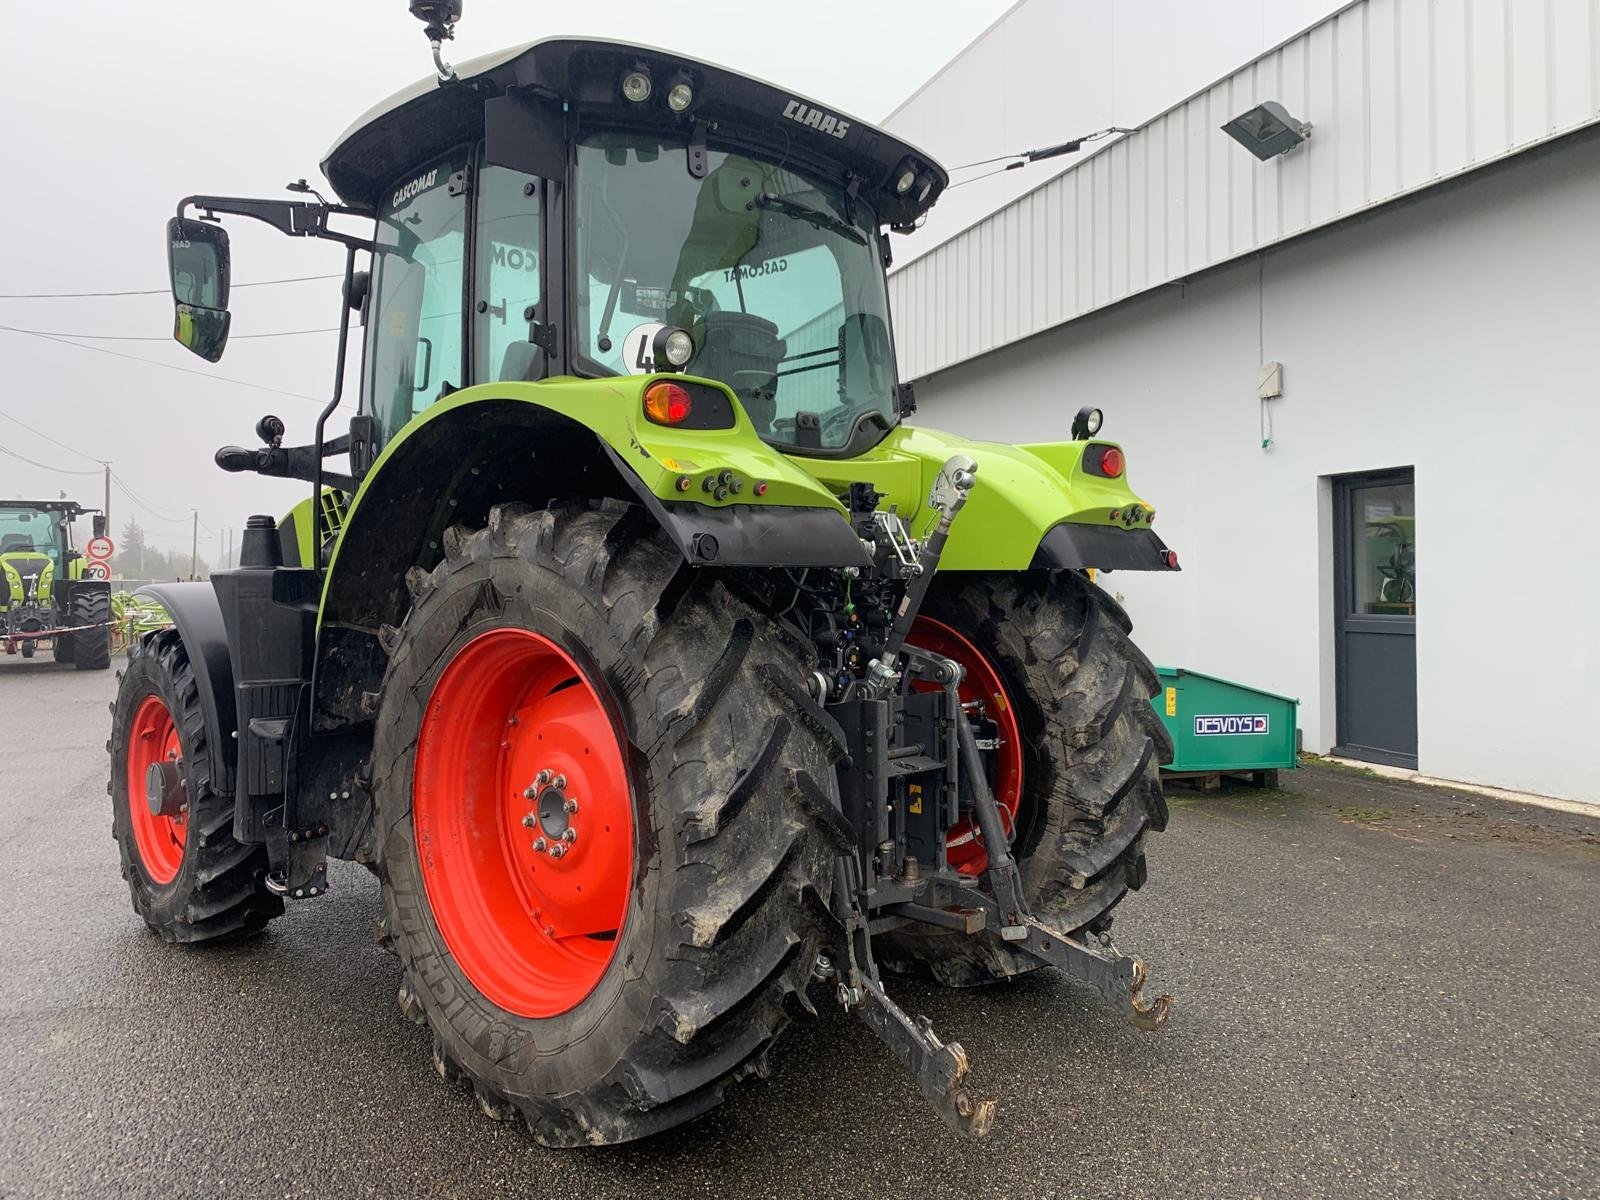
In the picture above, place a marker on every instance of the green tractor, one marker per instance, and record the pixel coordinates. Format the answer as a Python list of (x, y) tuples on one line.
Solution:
[(44, 595), (668, 681)]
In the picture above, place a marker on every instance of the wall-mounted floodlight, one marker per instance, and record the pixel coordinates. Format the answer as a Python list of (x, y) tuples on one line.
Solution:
[(1267, 130)]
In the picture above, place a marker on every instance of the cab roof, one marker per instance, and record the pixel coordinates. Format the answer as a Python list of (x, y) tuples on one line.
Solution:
[(71, 507), (422, 121)]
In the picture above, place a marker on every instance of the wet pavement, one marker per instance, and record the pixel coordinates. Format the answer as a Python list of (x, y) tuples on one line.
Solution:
[(1383, 989)]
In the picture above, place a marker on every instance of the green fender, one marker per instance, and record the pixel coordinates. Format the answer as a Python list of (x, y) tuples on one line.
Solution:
[(1022, 494)]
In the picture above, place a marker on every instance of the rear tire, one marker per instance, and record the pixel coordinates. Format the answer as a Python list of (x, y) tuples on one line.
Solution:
[(91, 649), (728, 783), (189, 879), (1092, 751)]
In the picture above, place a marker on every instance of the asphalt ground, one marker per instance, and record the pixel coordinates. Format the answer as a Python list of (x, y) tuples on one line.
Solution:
[(1384, 989)]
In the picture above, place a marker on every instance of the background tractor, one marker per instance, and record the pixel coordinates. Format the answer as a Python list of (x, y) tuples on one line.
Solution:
[(44, 597), (666, 678)]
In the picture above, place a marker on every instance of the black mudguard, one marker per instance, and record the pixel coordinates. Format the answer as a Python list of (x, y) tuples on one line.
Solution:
[(197, 615), (86, 587), (751, 535), (1072, 546)]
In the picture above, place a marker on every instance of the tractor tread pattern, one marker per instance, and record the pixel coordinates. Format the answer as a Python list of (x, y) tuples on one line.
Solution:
[(91, 649), (734, 933), (1092, 756), (220, 890)]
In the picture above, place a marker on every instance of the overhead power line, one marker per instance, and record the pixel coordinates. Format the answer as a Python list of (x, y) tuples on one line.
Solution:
[(122, 485), (45, 466), (48, 438), (150, 362), (154, 291), (141, 502)]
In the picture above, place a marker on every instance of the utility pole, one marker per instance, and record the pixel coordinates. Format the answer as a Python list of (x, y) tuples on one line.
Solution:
[(227, 558), (107, 466), (194, 546)]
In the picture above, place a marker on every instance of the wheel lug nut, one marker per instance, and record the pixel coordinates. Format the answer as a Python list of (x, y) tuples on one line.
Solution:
[(571, 805), (542, 778), (529, 793), (527, 821), (559, 782), (569, 835), (559, 850), (539, 844)]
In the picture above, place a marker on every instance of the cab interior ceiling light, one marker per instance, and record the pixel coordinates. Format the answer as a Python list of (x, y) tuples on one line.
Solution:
[(1268, 130)]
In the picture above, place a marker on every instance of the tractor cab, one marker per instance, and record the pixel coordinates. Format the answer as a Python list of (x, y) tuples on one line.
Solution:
[(35, 550), (596, 209)]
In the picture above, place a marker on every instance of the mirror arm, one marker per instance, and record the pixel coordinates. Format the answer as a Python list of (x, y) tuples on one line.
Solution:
[(296, 218)]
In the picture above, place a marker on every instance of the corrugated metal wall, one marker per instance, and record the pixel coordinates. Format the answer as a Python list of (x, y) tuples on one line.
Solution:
[(1401, 93)]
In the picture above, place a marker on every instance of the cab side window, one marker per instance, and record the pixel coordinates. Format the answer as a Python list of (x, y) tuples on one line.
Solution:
[(414, 349), (508, 274)]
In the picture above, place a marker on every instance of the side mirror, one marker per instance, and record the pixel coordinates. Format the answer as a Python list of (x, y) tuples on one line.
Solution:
[(356, 294), (197, 259), (99, 525)]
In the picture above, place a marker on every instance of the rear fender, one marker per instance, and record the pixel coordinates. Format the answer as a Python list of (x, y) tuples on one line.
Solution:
[(536, 443), (197, 615)]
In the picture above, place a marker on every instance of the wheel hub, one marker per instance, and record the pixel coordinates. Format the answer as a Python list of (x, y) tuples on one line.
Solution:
[(555, 812), (164, 788)]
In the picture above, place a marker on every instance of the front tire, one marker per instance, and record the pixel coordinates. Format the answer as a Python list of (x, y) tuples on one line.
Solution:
[(569, 655), (1084, 774), (188, 878), (91, 648)]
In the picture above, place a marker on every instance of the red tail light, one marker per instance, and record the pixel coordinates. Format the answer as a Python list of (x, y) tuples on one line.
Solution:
[(667, 403), (1111, 464)]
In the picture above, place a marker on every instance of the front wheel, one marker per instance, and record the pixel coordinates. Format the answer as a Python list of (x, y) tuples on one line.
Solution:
[(188, 877), (604, 826), (90, 647), (1075, 766)]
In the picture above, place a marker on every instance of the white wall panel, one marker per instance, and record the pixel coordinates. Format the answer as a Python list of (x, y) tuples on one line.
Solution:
[(1402, 94), (1454, 334)]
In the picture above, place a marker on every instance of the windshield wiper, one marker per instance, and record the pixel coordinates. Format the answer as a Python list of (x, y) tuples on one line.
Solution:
[(811, 216)]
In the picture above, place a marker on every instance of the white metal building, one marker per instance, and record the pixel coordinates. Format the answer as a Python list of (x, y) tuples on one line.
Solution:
[(1404, 539)]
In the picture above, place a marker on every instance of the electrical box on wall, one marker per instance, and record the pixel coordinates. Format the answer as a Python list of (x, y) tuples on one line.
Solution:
[(1269, 381)]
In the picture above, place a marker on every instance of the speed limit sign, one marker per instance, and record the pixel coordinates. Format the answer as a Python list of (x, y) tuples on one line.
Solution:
[(96, 569), (100, 547)]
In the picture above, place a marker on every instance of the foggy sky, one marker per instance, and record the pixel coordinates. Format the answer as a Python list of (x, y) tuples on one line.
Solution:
[(113, 111)]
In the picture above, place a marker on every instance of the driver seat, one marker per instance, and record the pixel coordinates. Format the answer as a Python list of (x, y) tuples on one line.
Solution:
[(743, 351)]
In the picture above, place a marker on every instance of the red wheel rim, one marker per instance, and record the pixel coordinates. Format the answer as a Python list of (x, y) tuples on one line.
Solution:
[(153, 738), (516, 749), (982, 683)]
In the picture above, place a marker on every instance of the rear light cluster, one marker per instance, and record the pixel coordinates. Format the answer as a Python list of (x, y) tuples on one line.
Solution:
[(1111, 463), (667, 403)]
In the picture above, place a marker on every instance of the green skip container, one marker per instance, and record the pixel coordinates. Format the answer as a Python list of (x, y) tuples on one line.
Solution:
[(1220, 727)]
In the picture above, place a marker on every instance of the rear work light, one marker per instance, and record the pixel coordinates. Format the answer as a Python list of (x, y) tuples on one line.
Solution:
[(1111, 464), (667, 403)]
